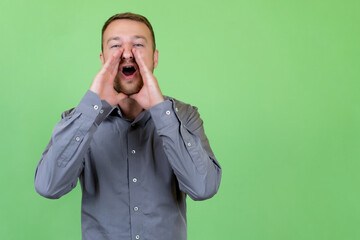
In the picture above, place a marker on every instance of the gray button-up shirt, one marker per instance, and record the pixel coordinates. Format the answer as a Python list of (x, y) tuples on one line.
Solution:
[(135, 175)]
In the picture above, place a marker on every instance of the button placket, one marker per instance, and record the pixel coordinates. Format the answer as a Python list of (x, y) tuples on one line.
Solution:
[(133, 172)]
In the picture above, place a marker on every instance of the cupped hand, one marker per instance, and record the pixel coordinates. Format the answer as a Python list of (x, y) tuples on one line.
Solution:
[(150, 93), (103, 83)]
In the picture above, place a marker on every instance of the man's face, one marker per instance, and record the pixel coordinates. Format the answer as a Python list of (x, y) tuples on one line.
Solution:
[(127, 35)]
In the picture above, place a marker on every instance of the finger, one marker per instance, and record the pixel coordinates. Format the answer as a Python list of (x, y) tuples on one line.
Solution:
[(111, 66), (113, 60), (134, 96), (115, 66), (144, 70), (121, 96), (116, 60)]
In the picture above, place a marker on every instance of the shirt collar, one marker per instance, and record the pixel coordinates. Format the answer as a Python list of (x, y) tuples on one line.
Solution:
[(141, 119)]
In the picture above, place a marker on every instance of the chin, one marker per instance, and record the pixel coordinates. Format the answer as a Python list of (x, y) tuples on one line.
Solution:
[(128, 90)]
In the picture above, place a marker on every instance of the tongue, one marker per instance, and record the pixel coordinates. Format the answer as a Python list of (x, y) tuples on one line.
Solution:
[(128, 72)]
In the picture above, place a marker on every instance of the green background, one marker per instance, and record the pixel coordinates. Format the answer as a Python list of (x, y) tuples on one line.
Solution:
[(276, 83)]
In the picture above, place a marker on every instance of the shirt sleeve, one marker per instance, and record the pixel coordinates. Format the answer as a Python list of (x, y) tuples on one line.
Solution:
[(63, 159), (181, 129)]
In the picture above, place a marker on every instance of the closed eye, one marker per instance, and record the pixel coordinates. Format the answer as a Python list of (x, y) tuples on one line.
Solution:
[(138, 45), (115, 46)]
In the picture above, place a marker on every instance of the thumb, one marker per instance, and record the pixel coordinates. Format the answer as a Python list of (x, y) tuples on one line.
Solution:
[(121, 96)]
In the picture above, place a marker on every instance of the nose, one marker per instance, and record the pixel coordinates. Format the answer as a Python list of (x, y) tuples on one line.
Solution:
[(127, 54)]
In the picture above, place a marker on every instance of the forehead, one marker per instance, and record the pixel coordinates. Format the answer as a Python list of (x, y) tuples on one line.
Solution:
[(126, 28)]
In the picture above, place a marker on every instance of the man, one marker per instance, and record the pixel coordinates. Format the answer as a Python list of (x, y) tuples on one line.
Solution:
[(137, 153)]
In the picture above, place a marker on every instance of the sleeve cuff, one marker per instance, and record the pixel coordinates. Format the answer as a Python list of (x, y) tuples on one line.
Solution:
[(164, 115), (94, 108)]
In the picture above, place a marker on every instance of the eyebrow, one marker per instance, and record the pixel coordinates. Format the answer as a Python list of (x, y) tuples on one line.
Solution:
[(119, 38), (139, 36), (113, 38)]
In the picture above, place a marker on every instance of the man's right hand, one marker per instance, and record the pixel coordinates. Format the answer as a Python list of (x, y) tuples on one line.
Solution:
[(103, 83)]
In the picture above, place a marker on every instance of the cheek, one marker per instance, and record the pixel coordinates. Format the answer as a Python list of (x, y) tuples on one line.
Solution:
[(108, 52), (148, 62), (147, 56)]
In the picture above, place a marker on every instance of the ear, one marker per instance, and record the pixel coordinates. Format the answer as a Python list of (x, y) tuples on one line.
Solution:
[(102, 59), (156, 58)]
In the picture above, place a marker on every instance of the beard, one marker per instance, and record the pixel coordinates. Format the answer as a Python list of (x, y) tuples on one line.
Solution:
[(128, 87)]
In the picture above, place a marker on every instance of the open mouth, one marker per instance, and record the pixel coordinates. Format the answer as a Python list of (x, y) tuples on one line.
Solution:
[(128, 71)]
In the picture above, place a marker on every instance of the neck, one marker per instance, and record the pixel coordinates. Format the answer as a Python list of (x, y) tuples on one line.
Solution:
[(130, 108)]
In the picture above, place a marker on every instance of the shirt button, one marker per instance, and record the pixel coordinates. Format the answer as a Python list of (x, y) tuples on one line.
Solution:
[(101, 111), (189, 144), (133, 124), (119, 112), (136, 208), (137, 237), (134, 180), (133, 151), (96, 107), (176, 109), (77, 139), (167, 112)]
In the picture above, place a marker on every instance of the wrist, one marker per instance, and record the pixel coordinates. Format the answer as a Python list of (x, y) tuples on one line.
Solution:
[(157, 101)]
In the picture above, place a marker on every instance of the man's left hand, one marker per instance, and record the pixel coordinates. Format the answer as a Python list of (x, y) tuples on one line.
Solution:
[(150, 93)]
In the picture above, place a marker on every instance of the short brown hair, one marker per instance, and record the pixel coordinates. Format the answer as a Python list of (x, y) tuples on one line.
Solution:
[(130, 16)]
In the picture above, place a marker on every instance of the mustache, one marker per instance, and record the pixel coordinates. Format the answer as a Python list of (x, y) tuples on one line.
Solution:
[(127, 61)]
